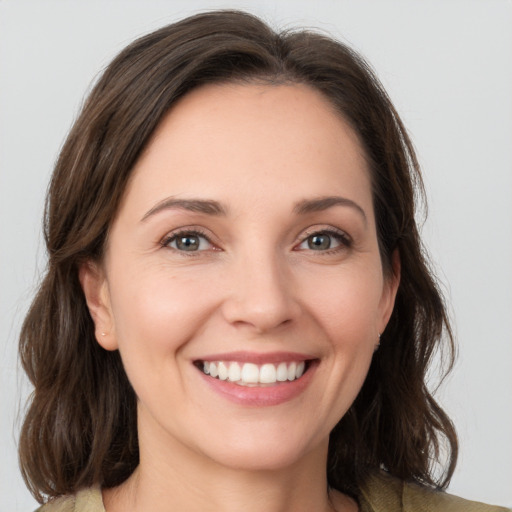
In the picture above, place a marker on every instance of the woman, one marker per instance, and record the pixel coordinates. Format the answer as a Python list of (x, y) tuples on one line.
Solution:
[(237, 312)]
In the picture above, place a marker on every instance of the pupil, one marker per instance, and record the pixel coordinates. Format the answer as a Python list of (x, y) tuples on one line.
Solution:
[(188, 243), (317, 242)]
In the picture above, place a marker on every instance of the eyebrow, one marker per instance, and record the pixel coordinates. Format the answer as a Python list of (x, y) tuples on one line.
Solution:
[(192, 205), (210, 207), (324, 203)]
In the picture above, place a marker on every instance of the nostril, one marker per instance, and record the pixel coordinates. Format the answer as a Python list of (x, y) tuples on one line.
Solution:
[(261, 317)]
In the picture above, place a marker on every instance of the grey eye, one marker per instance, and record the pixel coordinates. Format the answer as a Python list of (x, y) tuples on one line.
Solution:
[(323, 241), (319, 242), (187, 243)]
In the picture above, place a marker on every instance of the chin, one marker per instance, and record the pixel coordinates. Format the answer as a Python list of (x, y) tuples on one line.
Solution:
[(265, 450)]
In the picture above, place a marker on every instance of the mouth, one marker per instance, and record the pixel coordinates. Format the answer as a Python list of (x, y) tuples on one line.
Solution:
[(255, 375)]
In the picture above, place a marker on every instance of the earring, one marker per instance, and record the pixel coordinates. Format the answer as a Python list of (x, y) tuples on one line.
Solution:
[(378, 344)]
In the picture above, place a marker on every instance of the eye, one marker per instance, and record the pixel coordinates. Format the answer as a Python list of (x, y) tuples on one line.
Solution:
[(188, 241), (319, 242), (324, 241)]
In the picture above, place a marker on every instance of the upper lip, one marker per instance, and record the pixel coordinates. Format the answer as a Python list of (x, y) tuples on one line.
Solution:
[(258, 357)]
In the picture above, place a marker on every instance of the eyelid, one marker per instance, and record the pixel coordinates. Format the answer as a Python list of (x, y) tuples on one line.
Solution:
[(342, 236), (319, 228), (187, 230), (344, 239)]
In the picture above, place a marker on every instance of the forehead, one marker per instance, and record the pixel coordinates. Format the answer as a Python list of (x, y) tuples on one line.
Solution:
[(267, 140)]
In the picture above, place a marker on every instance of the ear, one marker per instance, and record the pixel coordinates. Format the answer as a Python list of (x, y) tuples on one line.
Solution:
[(95, 287), (389, 291)]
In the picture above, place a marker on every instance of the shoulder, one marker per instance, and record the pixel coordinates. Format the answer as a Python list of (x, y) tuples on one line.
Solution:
[(85, 500), (384, 493)]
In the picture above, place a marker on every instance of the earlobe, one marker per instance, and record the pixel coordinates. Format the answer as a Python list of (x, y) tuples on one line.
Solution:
[(95, 287)]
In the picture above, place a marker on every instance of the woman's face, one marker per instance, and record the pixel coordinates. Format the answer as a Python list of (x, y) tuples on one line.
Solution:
[(245, 247)]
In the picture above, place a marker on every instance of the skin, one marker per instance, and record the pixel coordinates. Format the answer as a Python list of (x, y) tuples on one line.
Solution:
[(258, 285)]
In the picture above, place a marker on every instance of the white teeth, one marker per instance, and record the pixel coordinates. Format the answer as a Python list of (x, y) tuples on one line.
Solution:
[(267, 374), (234, 372), (252, 374), (292, 368), (282, 372), (223, 371)]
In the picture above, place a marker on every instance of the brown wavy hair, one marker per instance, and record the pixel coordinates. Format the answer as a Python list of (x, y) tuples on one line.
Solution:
[(80, 426)]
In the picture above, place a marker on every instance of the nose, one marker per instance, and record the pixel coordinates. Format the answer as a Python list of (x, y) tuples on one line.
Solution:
[(261, 294)]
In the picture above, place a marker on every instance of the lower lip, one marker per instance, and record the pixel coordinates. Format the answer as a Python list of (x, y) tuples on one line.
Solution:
[(258, 396)]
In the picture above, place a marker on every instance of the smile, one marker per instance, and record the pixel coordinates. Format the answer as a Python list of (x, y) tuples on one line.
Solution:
[(251, 374)]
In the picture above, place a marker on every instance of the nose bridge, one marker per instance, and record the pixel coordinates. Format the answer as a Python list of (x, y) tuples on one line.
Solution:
[(262, 289)]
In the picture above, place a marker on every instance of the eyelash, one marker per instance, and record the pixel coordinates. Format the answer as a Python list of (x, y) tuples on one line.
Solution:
[(183, 233), (341, 237)]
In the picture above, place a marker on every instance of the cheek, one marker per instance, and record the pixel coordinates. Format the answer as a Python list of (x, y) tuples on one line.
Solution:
[(158, 311), (346, 303), (155, 316)]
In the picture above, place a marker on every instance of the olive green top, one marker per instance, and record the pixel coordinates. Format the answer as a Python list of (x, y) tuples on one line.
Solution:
[(381, 494)]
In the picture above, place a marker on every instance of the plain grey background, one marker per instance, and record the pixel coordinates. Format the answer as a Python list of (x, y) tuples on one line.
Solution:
[(447, 65)]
